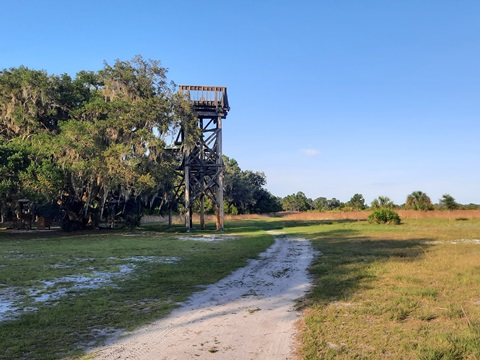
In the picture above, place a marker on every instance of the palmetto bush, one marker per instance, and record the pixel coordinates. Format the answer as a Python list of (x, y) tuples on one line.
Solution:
[(384, 216)]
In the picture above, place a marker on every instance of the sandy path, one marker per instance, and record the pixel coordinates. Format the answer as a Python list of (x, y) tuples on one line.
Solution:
[(247, 315)]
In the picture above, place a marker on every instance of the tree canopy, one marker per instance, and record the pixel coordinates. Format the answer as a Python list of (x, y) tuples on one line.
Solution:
[(244, 191), (297, 202), (448, 202), (382, 202), (357, 202), (418, 200), (96, 139)]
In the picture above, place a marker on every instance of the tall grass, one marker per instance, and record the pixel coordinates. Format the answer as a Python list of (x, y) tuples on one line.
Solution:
[(363, 215)]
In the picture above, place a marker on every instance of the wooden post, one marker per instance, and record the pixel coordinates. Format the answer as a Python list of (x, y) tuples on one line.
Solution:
[(202, 179), (188, 207), (202, 212), (220, 207)]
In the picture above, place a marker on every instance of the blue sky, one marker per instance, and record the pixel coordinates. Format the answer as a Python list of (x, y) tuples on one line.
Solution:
[(328, 97)]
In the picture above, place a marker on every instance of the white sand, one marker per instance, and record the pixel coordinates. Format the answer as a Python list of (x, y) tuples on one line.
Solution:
[(248, 315)]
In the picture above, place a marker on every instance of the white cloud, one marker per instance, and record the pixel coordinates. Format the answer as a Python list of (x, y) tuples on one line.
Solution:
[(311, 152)]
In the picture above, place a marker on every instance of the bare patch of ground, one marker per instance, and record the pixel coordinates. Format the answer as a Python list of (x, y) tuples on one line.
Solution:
[(207, 238), (247, 315), (13, 300), (454, 242)]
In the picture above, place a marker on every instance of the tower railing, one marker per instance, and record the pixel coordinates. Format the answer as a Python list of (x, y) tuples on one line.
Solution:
[(206, 96)]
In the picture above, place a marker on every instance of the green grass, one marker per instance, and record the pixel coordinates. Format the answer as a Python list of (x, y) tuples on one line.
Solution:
[(64, 327), (380, 291)]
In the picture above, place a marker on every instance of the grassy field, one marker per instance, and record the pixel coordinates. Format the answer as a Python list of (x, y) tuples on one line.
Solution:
[(78, 289), (402, 292)]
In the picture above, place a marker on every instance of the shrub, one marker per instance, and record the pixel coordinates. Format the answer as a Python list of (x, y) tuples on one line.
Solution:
[(232, 209), (133, 220), (384, 216)]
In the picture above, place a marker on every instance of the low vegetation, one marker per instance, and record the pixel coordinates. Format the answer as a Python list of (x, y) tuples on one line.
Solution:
[(384, 216), (400, 292)]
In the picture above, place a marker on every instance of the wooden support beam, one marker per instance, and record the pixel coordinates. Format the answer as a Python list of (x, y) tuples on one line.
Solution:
[(220, 208), (188, 207)]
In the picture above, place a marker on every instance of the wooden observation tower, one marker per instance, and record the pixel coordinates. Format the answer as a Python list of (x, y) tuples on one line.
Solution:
[(202, 166)]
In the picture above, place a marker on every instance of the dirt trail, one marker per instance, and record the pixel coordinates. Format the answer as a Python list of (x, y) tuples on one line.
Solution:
[(247, 315)]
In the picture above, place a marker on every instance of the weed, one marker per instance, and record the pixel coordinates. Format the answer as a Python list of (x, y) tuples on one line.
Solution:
[(426, 315), (454, 311)]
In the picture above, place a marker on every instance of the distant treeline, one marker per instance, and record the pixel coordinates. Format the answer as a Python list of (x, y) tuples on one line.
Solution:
[(417, 200)]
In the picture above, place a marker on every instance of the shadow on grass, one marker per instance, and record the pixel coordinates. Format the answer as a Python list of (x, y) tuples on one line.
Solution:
[(251, 226), (346, 256), (247, 226), (231, 227), (242, 226)]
